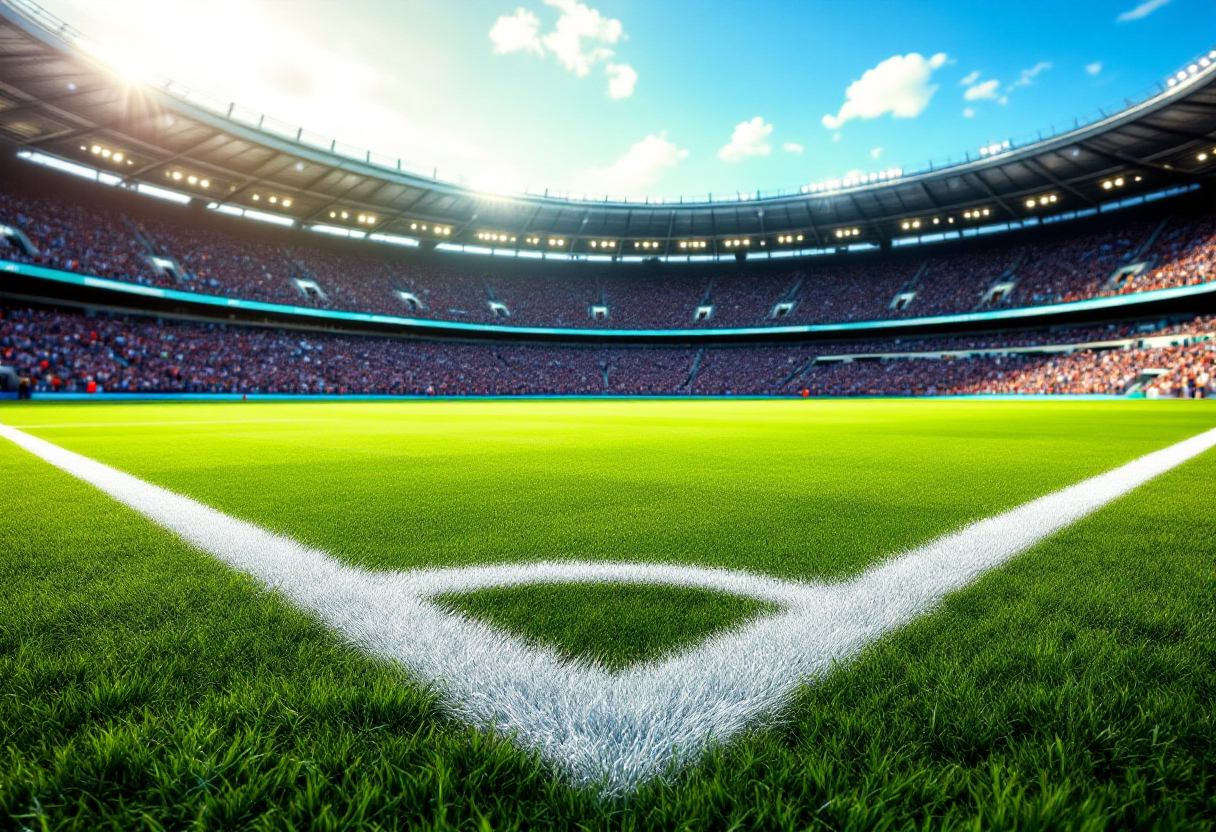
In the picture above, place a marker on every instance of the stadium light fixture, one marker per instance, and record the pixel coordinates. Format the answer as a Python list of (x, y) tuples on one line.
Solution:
[(1203, 157)]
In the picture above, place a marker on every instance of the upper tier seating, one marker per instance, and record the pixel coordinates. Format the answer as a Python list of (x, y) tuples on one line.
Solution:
[(218, 255)]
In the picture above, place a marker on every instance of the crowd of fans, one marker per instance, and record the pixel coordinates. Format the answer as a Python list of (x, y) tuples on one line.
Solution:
[(226, 256), (70, 351), (1189, 372)]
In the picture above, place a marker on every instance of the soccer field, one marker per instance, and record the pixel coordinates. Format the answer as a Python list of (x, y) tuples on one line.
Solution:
[(150, 680)]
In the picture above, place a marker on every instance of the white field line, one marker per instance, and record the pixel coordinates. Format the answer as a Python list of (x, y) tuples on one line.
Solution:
[(599, 729)]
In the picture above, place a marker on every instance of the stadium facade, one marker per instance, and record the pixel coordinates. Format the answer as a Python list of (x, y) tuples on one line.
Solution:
[(1098, 226)]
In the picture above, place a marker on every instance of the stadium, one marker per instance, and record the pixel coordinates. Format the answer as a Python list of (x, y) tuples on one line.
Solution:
[(345, 492)]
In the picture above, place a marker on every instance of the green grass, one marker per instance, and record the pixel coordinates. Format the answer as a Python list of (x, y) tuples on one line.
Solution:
[(143, 685), (614, 625), (789, 488)]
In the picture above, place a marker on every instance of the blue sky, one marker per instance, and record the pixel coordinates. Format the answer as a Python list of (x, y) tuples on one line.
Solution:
[(658, 97)]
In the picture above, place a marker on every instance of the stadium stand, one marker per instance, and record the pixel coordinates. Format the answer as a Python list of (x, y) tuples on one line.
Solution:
[(65, 351), (190, 250)]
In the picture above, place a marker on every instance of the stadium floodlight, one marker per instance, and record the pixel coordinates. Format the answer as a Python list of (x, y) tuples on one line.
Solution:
[(161, 193), (1203, 157), (287, 203), (255, 196), (206, 183), (1030, 203)]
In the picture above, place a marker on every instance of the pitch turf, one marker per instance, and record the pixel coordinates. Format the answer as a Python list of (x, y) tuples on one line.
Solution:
[(145, 685)]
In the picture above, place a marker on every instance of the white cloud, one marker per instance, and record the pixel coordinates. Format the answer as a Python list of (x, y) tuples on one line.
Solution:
[(875, 153), (792, 147), (968, 112), (579, 23), (970, 78), (985, 90), (641, 167), (1094, 68), (1143, 10), (621, 80), (899, 86), (580, 39), (519, 32), (749, 139), (1028, 75)]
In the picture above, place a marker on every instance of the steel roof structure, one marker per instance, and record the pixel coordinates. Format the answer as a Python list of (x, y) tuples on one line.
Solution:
[(56, 98)]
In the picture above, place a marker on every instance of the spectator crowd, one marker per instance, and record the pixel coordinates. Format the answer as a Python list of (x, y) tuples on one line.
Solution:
[(225, 256), (70, 351)]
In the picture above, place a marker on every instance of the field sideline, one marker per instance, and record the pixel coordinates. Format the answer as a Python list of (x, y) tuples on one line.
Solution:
[(147, 684)]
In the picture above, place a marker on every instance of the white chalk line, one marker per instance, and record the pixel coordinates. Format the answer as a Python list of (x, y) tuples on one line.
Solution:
[(615, 731)]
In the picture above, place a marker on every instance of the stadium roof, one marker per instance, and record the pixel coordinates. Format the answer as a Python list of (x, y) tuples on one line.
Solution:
[(58, 100)]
